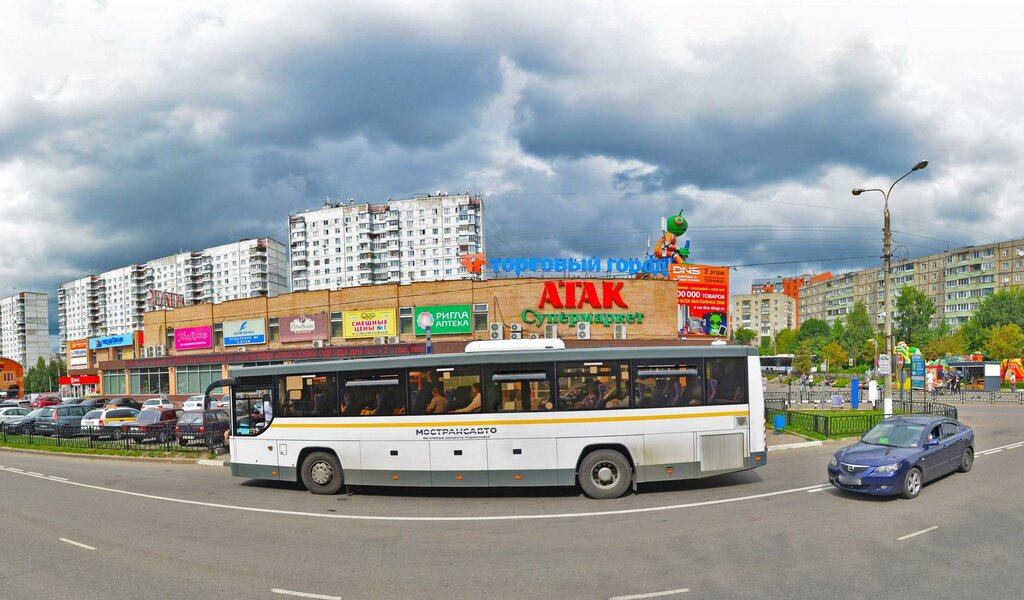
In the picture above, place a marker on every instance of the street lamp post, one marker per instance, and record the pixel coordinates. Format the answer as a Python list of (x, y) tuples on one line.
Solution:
[(887, 258)]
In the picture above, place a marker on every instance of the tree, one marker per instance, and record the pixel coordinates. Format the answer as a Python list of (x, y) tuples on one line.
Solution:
[(835, 355), (858, 331), (37, 379), (802, 360), (767, 348), (744, 336), (868, 350), (838, 332), (1001, 308), (785, 342), (1004, 341), (811, 329), (950, 344), (915, 311)]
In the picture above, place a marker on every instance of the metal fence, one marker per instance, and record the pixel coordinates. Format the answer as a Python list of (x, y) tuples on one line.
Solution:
[(853, 422), (88, 437), (792, 398)]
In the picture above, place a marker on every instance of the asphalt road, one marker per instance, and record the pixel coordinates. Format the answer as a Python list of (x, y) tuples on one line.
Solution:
[(89, 528)]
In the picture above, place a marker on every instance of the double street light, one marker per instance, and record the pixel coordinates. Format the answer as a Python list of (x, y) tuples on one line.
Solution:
[(887, 257)]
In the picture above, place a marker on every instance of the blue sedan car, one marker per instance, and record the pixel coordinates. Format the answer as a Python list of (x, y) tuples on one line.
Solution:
[(901, 453)]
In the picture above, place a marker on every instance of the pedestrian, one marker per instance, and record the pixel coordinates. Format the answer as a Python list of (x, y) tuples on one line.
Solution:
[(1012, 378)]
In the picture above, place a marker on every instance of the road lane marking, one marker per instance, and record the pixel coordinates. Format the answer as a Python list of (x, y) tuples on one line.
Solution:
[(34, 473), (651, 595), (304, 594), (999, 448), (74, 543), (916, 533), (820, 488), (57, 478)]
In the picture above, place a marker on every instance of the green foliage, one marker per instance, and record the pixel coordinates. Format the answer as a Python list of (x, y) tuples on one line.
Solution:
[(1001, 308), (838, 332), (1004, 341), (811, 329), (858, 332), (945, 344), (744, 336), (868, 351), (767, 348), (915, 311), (44, 377), (802, 359), (785, 342), (835, 355)]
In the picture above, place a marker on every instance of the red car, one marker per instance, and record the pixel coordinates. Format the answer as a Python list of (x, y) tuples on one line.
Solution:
[(153, 424), (42, 401)]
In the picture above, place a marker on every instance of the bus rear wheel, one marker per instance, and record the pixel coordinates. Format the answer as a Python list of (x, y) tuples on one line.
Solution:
[(322, 474), (605, 474)]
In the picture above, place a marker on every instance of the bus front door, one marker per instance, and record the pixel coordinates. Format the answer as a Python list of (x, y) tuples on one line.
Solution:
[(253, 453)]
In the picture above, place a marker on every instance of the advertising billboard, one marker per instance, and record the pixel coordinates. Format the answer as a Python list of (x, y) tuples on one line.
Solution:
[(78, 354), (448, 319), (193, 338), (370, 323), (703, 298), (110, 341), (303, 328), (241, 333)]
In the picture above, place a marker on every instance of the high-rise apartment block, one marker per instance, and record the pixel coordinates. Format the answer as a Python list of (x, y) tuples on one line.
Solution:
[(24, 328), (114, 302), (766, 313), (789, 286), (955, 280), (400, 241)]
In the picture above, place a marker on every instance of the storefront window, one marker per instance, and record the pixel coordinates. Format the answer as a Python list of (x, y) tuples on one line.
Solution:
[(193, 380), (113, 383), (337, 325), (149, 381)]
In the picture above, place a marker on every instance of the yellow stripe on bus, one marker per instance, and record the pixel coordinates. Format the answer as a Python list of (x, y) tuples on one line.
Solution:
[(278, 424)]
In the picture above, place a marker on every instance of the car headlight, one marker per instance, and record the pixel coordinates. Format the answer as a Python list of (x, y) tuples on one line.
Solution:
[(833, 462), (888, 468)]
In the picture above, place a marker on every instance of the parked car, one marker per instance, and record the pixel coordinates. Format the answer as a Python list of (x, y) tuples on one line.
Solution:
[(16, 403), (10, 413), (22, 425), (153, 423), (95, 402), (71, 400), (41, 401), (224, 402), (124, 403), (194, 403), (63, 419), (160, 403), (199, 425), (901, 453), (107, 422)]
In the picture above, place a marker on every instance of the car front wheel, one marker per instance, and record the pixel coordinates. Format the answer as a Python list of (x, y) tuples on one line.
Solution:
[(967, 460), (912, 483), (322, 474)]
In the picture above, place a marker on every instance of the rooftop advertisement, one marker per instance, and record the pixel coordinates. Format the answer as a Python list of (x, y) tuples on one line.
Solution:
[(303, 328), (370, 323), (193, 338)]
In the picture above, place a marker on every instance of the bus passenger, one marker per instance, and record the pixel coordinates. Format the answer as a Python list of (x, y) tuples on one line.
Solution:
[(438, 402), (474, 403)]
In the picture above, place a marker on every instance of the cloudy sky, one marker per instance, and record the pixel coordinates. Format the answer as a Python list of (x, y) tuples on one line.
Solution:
[(129, 131)]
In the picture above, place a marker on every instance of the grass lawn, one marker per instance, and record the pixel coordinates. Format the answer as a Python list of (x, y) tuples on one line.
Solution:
[(10, 443)]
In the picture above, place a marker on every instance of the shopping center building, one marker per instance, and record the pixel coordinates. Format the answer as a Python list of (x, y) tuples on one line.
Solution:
[(181, 350)]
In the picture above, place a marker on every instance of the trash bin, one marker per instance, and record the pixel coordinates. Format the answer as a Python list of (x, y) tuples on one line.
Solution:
[(854, 393), (779, 422)]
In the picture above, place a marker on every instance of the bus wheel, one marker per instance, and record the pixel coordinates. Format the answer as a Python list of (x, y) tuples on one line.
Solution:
[(322, 474), (605, 474)]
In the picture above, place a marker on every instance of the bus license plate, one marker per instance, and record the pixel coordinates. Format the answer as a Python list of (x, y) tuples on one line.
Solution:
[(848, 480)]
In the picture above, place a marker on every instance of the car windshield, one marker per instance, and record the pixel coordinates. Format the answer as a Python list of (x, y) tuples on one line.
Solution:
[(190, 417), (898, 434), (148, 415), (93, 414)]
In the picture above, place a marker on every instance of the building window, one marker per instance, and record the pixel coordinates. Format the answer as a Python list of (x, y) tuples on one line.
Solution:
[(275, 332), (337, 325), (149, 381), (113, 383), (194, 379), (405, 320)]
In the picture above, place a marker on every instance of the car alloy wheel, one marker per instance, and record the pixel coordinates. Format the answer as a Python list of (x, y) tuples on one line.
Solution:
[(912, 483)]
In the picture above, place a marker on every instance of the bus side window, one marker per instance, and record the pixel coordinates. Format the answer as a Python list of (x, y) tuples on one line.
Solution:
[(726, 380)]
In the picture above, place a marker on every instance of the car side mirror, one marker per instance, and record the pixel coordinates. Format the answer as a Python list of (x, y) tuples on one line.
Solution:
[(931, 442)]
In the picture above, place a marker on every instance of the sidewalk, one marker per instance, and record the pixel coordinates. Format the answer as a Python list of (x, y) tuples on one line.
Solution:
[(787, 441)]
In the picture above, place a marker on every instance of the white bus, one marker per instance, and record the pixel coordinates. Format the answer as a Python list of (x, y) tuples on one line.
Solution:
[(603, 418), (777, 363)]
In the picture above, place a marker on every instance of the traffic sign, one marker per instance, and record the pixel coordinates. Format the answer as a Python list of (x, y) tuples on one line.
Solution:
[(884, 364), (899, 362)]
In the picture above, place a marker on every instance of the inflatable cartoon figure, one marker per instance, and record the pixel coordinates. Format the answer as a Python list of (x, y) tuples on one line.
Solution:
[(666, 246)]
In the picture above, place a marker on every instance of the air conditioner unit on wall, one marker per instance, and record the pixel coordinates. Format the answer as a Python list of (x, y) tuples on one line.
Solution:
[(620, 332), (534, 336), (318, 343), (516, 327), (147, 352), (394, 339), (515, 335), (551, 331), (380, 340), (583, 331), (158, 350), (240, 348), (496, 331)]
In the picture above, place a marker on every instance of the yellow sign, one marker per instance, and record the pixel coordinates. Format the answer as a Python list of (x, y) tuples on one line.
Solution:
[(370, 323)]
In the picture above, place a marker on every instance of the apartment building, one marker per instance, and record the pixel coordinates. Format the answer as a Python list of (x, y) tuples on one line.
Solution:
[(767, 313), (789, 286), (955, 280), (24, 328), (410, 240), (114, 302)]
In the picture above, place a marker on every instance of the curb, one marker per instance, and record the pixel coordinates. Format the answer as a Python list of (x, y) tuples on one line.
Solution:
[(797, 445), (176, 461), (213, 463)]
